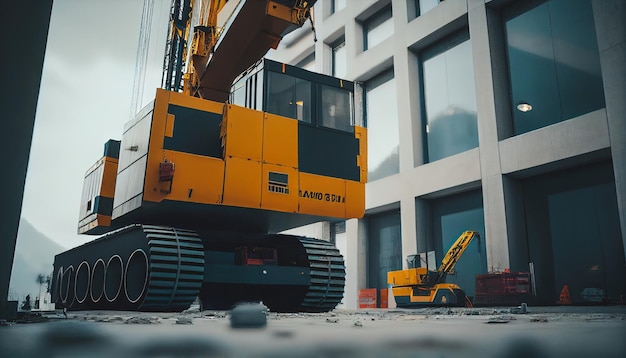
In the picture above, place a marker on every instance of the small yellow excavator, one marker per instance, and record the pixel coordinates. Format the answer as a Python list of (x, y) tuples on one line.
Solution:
[(420, 287)]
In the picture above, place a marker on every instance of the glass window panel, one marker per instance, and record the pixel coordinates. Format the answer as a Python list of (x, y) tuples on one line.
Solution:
[(289, 96), (532, 71), (336, 108), (573, 232), (449, 100), (382, 127), (452, 216), (378, 28), (239, 95), (553, 63), (339, 61), (577, 60), (337, 5), (413, 9), (259, 92), (427, 5), (384, 248)]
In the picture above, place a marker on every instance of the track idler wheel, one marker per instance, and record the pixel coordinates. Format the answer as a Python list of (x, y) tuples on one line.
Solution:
[(141, 267)]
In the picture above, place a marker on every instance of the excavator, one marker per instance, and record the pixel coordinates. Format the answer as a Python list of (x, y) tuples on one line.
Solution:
[(234, 150), (420, 287)]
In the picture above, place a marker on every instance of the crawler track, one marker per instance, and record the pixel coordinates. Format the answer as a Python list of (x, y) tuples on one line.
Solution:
[(156, 268), (141, 267), (328, 276), (176, 268)]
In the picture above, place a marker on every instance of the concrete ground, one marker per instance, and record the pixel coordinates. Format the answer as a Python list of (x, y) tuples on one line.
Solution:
[(459, 332)]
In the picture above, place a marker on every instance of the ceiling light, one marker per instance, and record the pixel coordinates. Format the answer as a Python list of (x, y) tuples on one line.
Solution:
[(524, 107)]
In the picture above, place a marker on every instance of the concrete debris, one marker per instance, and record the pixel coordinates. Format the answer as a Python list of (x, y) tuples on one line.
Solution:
[(501, 319), (213, 314), (500, 311), (184, 320), (105, 319), (142, 320), (194, 308), (523, 309), (249, 315), (495, 320), (358, 324), (332, 320)]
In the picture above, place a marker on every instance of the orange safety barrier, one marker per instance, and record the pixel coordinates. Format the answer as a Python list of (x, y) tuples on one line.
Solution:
[(384, 298), (367, 298)]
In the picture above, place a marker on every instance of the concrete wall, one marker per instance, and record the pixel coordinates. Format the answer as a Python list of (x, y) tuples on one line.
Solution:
[(501, 159), (609, 17)]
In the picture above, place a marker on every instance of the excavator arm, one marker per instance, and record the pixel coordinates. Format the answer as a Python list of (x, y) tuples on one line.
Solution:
[(220, 54), (176, 46), (454, 254)]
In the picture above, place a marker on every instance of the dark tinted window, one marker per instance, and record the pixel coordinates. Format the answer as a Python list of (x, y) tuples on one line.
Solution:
[(449, 98), (289, 96), (554, 64), (336, 108)]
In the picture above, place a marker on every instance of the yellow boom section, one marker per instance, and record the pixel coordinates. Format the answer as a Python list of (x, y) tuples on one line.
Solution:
[(251, 29), (454, 254)]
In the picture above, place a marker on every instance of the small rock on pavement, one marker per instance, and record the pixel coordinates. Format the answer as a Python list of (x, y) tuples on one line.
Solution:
[(332, 320), (142, 320), (539, 319), (501, 319), (184, 320), (249, 315), (358, 324), (523, 309)]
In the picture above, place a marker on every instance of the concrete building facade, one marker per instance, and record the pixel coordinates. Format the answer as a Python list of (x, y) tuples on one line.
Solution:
[(504, 117)]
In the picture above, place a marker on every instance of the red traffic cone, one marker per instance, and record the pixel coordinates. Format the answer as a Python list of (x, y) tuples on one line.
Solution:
[(564, 298)]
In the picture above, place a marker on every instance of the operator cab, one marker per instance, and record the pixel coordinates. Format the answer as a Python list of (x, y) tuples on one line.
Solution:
[(318, 100)]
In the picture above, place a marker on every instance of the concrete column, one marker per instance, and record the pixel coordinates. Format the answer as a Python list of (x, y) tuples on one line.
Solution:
[(516, 225), (408, 228), (404, 63), (492, 185), (21, 77), (408, 104), (424, 230), (354, 40), (356, 262), (609, 18)]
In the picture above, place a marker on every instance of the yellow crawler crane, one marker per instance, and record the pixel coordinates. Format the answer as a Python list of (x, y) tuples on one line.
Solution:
[(192, 200), (419, 287)]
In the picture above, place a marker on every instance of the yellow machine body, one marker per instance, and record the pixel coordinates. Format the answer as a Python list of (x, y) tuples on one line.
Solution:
[(199, 164), (442, 294), (418, 286), (99, 189)]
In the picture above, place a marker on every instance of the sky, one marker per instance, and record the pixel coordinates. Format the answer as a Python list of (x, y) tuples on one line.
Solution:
[(84, 100)]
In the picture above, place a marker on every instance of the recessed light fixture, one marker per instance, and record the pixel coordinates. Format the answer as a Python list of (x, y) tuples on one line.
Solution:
[(524, 107)]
